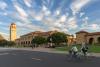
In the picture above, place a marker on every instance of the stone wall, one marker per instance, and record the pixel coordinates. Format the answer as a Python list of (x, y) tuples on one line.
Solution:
[(90, 38)]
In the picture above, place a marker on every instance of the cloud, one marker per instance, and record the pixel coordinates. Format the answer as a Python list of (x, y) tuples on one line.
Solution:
[(3, 5), (5, 35), (63, 18), (26, 23), (81, 14), (54, 28), (39, 18), (45, 11), (59, 25), (94, 27), (52, 20), (24, 18), (85, 19), (28, 2), (65, 30), (5, 14), (77, 5), (46, 16), (87, 26), (36, 16), (44, 8), (57, 12), (72, 23), (20, 10)]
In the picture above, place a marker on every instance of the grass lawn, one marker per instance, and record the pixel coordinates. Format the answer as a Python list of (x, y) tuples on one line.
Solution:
[(92, 48), (95, 49)]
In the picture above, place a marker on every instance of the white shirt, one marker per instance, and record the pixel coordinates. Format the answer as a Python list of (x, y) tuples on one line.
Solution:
[(74, 49)]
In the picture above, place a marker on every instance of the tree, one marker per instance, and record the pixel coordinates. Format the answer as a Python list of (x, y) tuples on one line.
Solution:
[(38, 40), (4, 43), (48, 39), (58, 38), (11, 43)]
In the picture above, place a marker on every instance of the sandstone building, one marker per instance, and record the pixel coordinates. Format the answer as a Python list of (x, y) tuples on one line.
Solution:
[(12, 32), (71, 39), (25, 40), (90, 38)]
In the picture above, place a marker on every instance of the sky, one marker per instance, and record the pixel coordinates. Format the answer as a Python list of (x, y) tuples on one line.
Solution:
[(69, 16)]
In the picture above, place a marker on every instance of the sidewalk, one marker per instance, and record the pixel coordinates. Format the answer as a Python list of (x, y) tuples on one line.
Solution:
[(50, 50)]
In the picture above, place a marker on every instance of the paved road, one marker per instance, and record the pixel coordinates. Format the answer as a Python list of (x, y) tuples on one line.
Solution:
[(25, 58)]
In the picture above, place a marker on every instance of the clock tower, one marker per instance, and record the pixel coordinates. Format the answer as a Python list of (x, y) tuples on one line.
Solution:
[(12, 32)]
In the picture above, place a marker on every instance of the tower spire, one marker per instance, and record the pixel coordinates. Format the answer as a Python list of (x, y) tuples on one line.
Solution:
[(12, 32)]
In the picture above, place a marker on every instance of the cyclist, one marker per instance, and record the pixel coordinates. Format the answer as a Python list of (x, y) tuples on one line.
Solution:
[(84, 49), (73, 51)]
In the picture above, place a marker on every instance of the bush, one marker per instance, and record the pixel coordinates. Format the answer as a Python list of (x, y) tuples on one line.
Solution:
[(38, 40), (59, 38), (4, 43)]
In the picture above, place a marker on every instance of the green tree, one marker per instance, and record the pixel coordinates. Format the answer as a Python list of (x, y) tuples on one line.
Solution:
[(4, 43), (38, 40), (11, 43), (48, 39), (58, 38)]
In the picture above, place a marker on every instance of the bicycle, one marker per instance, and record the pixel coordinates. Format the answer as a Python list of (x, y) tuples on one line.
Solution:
[(74, 55)]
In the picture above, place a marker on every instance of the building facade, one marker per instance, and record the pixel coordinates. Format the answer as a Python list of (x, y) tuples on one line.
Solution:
[(25, 40), (71, 39), (89, 38), (12, 32)]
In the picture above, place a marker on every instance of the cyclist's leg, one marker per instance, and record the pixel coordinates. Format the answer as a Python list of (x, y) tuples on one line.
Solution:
[(70, 55), (75, 55)]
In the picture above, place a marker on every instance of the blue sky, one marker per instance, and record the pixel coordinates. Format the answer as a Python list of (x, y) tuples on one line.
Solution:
[(68, 16)]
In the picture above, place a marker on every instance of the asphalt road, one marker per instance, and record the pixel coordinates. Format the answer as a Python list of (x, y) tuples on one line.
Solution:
[(23, 58)]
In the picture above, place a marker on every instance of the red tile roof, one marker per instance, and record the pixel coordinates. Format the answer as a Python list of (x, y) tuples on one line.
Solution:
[(39, 33), (81, 32), (89, 34), (94, 33)]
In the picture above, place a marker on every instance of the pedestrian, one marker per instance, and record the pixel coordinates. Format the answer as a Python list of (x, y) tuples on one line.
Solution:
[(32, 46)]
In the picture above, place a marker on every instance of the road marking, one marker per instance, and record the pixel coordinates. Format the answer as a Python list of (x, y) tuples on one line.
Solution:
[(4, 53), (36, 59)]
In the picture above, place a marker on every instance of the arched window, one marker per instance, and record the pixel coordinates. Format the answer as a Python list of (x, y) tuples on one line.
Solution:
[(91, 40), (26, 42), (98, 39)]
